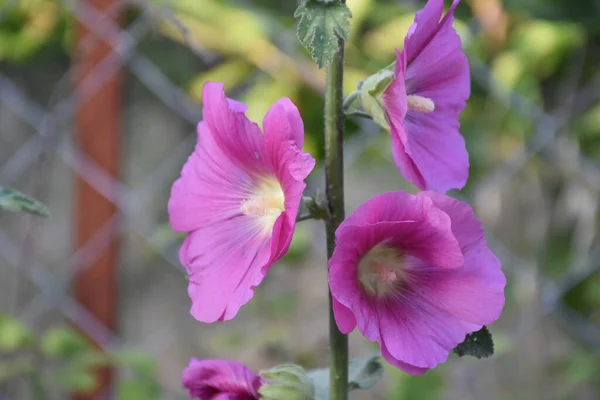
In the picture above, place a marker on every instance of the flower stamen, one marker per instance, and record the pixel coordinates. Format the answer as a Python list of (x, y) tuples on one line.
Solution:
[(420, 103), (380, 270), (266, 203)]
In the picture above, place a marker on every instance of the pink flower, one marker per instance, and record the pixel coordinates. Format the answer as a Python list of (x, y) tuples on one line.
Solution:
[(238, 196), (220, 380), (422, 104), (416, 275)]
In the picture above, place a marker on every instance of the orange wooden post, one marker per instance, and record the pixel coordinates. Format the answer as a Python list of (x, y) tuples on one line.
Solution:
[(98, 132)]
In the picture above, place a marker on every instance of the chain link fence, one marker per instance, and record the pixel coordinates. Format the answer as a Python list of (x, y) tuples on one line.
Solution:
[(543, 187)]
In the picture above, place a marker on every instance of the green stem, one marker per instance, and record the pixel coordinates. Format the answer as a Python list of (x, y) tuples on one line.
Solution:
[(37, 387), (334, 193)]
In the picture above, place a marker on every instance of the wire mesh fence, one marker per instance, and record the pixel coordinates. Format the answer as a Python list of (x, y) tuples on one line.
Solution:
[(523, 210)]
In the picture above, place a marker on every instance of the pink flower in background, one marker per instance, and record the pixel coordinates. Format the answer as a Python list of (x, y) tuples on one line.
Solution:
[(430, 89), (220, 380), (416, 275), (238, 197)]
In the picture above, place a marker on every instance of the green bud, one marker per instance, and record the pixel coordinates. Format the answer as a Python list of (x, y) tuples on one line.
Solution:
[(316, 206), (372, 90), (286, 381)]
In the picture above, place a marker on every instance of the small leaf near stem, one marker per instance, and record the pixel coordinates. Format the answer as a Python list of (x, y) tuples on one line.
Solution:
[(15, 201), (363, 373), (320, 24), (477, 344)]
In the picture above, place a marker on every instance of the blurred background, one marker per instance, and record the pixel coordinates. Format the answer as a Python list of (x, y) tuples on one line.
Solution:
[(99, 100)]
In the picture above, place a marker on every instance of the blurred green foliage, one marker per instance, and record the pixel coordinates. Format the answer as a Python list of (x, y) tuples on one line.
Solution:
[(540, 49), (62, 358)]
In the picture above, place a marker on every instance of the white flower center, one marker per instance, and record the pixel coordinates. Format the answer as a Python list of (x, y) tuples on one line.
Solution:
[(420, 103), (380, 270), (265, 203)]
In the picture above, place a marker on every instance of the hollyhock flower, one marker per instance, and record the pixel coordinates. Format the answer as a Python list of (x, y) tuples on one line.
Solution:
[(238, 197), (220, 380), (421, 100), (415, 274)]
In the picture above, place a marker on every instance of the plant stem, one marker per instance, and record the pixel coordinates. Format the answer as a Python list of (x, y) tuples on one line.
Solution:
[(334, 192), (37, 388)]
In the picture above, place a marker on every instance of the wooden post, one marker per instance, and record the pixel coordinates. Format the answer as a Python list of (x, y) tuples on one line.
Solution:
[(98, 132)]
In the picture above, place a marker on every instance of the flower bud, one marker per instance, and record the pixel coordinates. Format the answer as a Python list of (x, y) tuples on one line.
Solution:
[(286, 381), (372, 90)]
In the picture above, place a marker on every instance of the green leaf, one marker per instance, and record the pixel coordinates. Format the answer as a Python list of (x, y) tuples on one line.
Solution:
[(363, 373), (76, 380), (142, 364), (13, 334), (320, 24), (137, 390), (63, 342), (477, 344), (286, 381), (15, 201)]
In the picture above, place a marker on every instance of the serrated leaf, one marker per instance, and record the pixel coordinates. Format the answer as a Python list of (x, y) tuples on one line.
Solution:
[(15, 201), (477, 344), (363, 373), (320, 25)]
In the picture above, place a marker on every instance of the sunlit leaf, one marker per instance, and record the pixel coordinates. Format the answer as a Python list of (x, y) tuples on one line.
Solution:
[(13, 334), (320, 25)]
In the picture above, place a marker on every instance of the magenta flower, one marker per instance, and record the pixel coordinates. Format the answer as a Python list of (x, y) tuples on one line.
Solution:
[(416, 275), (430, 88), (220, 380), (238, 197)]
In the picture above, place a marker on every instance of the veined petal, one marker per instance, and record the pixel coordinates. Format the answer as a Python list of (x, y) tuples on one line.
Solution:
[(387, 270), (238, 197), (220, 379), (434, 73)]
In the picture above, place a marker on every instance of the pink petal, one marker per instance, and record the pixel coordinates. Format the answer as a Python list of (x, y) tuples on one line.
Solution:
[(475, 293), (411, 222), (409, 369), (220, 379), (344, 318), (238, 138), (284, 115), (425, 27), (414, 333), (210, 188), (438, 150), (224, 265), (228, 253), (284, 135), (437, 69)]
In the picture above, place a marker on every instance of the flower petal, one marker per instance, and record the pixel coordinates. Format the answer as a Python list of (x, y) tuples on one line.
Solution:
[(238, 138), (224, 265), (438, 151), (437, 69), (411, 222), (344, 318), (284, 136), (414, 334), (475, 293), (395, 104), (409, 369), (214, 379)]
